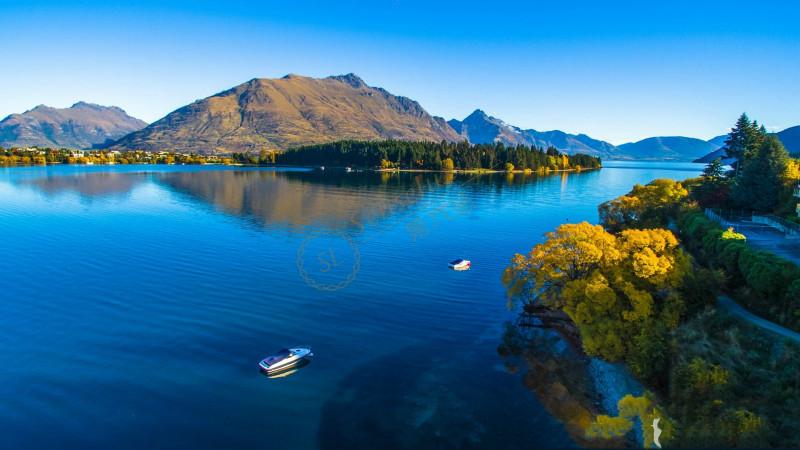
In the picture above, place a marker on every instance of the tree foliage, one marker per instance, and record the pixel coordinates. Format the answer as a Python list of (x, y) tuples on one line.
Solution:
[(647, 206), (744, 140), (615, 288), (762, 177), (432, 156), (768, 285)]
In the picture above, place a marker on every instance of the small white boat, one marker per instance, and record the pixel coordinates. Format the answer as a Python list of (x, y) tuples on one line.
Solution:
[(285, 359), (460, 264), (348, 169)]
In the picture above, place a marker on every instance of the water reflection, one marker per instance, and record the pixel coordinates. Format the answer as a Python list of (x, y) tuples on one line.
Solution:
[(294, 199), (411, 400), (559, 374), (326, 199), (87, 185)]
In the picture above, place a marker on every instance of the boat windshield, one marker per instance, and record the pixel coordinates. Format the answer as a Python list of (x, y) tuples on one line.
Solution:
[(458, 261), (280, 356)]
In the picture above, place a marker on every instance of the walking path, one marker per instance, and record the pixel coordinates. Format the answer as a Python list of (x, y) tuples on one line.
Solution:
[(734, 308)]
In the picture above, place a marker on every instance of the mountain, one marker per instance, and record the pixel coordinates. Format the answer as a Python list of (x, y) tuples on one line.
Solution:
[(480, 128), (791, 139), (677, 148), (718, 153), (718, 141), (288, 112), (83, 125)]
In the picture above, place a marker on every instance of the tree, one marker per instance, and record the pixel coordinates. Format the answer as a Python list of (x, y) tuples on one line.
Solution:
[(645, 206), (447, 164), (714, 170), (744, 141), (631, 408), (761, 180), (509, 167), (611, 287)]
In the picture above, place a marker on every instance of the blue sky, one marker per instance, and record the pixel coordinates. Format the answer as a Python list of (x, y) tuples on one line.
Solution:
[(617, 72)]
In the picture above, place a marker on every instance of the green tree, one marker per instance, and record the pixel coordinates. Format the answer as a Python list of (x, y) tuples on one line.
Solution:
[(761, 181), (744, 141), (714, 171)]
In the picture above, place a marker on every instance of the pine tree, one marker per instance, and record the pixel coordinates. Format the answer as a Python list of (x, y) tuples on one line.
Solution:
[(759, 184), (714, 170), (744, 141)]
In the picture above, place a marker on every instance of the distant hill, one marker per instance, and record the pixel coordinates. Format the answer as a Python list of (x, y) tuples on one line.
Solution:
[(677, 148), (791, 139), (480, 128), (718, 153), (289, 112), (83, 125), (718, 141)]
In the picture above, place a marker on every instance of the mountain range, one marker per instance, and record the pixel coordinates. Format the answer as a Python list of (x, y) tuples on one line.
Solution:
[(480, 128), (678, 148), (295, 110), (83, 125)]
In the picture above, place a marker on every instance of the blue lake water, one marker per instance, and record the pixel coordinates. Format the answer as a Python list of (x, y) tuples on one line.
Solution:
[(137, 301)]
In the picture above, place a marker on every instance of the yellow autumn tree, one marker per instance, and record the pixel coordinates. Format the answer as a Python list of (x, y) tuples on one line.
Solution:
[(646, 206), (630, 409), (447, 165), (614, 288)]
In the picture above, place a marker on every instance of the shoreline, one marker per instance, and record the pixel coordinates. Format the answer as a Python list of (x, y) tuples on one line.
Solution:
[(317, 168)]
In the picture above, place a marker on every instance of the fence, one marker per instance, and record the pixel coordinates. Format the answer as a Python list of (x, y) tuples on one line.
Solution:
[(791, 229), (744, 219)]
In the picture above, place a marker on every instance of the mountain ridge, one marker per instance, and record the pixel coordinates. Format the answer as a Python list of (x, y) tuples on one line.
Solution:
[(294, 110), (677, 148), (82, 125)]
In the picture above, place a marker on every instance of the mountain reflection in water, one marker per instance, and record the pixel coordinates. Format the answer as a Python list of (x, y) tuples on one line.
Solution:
[(88, 185), (327, 199)]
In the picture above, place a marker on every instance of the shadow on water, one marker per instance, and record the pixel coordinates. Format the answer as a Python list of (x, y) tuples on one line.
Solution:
[(411, 400)]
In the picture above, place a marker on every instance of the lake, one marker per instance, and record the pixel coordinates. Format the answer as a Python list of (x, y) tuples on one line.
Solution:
[(138, 300)]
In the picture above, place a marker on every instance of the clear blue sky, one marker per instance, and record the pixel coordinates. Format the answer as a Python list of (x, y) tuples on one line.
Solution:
[(617, 71)]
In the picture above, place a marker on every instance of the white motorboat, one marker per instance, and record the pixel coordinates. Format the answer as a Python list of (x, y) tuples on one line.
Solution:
[(460, 264), (285, 359)]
